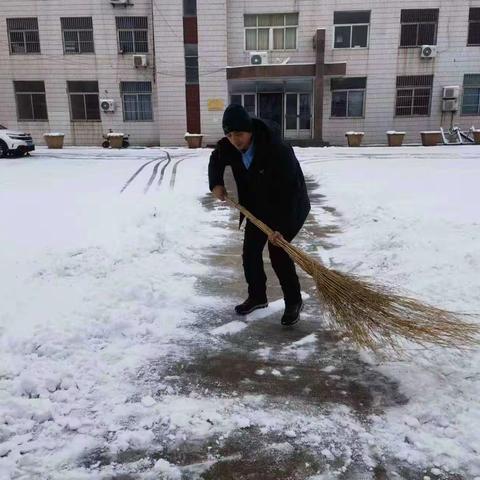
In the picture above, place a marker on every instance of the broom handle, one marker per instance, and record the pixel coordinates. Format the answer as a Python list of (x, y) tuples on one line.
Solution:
[(262, 226), (287, 246), (302, 259)]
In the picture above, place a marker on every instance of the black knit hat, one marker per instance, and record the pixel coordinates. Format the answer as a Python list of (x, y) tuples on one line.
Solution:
[(236, 119)]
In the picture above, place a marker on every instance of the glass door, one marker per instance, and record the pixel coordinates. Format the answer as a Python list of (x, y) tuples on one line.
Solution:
[(270, 107), (298, 115)]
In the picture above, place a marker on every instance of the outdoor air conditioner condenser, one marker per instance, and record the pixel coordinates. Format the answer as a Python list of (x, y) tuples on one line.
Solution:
[(258, 58), (107, 105)]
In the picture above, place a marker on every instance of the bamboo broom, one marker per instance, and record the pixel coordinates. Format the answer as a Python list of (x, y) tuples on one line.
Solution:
[(372, 315)]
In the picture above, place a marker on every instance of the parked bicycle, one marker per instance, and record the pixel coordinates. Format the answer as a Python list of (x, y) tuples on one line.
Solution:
[(455, 136)]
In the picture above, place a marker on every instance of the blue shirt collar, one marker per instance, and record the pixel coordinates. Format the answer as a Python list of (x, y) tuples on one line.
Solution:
[(247, 157)]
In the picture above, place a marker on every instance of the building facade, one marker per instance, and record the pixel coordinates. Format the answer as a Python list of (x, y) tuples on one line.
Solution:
[(155, 69)]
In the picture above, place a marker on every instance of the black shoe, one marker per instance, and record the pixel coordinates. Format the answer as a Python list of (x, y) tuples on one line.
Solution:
[(292, 314), (251, 304)]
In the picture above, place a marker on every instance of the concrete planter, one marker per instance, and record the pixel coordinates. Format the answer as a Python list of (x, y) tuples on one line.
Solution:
[(116, 140), (395, 139), (354, 139), (194, 140), (54, 140), (476, 136), (430, 139)]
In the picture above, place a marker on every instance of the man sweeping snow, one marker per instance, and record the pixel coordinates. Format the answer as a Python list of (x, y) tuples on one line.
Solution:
[(271, 185)]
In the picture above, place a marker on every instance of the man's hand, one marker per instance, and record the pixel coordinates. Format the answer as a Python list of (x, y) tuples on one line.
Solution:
[(275, 237), (219, 192)]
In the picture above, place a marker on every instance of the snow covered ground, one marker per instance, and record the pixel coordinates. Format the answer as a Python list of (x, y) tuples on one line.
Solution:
[(411, 218), (94, 285)]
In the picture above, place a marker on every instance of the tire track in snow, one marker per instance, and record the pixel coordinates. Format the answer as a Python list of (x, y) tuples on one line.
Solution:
[(132, 178), (156, 167), (174, 170), (162, 173), (153, 175)]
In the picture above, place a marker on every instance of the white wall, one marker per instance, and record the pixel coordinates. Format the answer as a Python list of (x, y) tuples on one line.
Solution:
[(170, 65), (212, 52), (221, 43), (382, 62), (106, 65)]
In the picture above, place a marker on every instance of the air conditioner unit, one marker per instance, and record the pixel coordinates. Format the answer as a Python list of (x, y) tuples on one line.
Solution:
[(258, 58), (450, 105), (451, 92), (123, 3), (428, 51), (107, 105), (140, 61)]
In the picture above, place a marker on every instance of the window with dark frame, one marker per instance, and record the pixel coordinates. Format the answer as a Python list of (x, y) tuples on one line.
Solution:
[(77, 35), (31, 100), (348, 97), (474, 27), (419, 27), (351, 29), (84, 102), (137, 101), (191, 64), (23, 35), (471, 94), (247, 100), (414, 94), (271, 31), (132, 34)]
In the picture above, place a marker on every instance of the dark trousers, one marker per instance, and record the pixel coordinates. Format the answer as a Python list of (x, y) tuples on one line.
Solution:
[(253, 245)]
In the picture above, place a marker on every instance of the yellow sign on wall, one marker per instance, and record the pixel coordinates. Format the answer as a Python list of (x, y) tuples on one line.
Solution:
[(215, 104)]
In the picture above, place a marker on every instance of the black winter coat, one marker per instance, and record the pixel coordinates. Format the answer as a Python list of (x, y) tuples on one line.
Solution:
[(273, 187)]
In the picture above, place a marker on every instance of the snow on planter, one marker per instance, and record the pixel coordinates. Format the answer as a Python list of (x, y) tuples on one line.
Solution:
[(54, 139)]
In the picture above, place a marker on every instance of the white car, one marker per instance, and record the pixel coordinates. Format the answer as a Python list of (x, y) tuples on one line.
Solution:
[(14, 143)]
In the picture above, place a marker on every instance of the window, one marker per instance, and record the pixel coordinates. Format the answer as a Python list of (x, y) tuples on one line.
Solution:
[(31, 100), (137, 101), (474, 27), (471, 94), (77, 35), (348, 96), (247, 100), (351, 29), (419, 27), (413, 95), (189, 8), (271, 32), (132, 34), (191, 63), (23, 35), (83, 100)]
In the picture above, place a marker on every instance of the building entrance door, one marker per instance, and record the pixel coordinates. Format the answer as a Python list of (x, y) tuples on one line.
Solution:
[(270, 107), (298, 115)]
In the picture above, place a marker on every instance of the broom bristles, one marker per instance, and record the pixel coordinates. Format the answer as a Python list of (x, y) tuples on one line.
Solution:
[(372, 315)]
